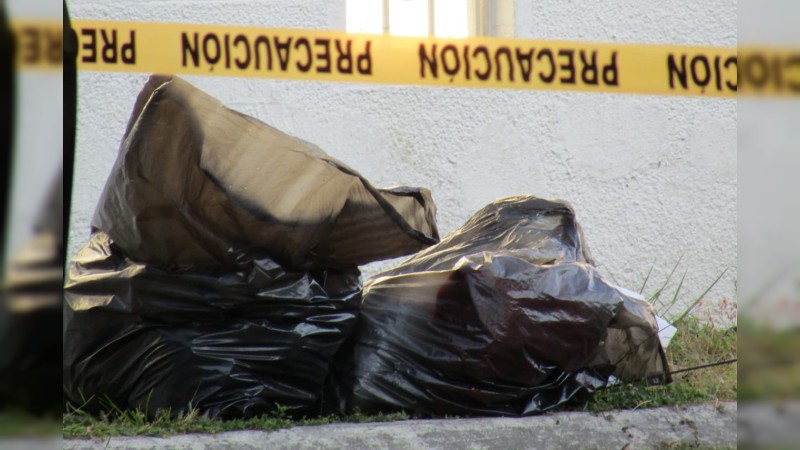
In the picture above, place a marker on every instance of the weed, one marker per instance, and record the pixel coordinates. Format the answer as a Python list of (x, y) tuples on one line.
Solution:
[(698, 342), (116, 422)]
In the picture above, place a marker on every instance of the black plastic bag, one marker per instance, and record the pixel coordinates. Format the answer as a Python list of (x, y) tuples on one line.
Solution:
[(196, 183), (222, 269), (506, 316), (231, 344)]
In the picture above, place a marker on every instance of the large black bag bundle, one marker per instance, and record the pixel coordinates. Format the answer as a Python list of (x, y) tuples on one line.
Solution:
[(505, 316), (231, 343), (222, 269)]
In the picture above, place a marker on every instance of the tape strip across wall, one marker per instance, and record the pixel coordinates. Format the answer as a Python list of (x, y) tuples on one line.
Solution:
[(299, 54)]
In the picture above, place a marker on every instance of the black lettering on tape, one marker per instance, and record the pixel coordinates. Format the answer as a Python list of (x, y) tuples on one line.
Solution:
[(525, 60), (364, 61), (552, 76), (128, 50), (456, 63), (211, 57), (90, 45), (109, 51), (30, 53), (303, 67), (756, 70), (264, 42), (242, 39), (698, 62), (589, 73), (424, 58), (568, 66), (282, 48), (610, 72), (192, 49), (227, 52), (731, 61), (35, 45), (324, 56), (55, 46), (504, 51), (344, 62), (466, 61), (679, 72), (485, 51)]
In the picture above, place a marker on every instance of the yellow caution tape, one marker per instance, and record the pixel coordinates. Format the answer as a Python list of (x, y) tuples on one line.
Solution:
[(38, 45), (299, 54)]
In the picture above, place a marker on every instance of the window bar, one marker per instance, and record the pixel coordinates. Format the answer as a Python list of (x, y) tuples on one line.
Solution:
[(385, 16), (431, 23), (474, 17), (480, 15)]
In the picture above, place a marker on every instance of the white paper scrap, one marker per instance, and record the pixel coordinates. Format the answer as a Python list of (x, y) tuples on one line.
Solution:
[(665, 331)]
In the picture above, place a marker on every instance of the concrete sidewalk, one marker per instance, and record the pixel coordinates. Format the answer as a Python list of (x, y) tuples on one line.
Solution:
[(704, 426)]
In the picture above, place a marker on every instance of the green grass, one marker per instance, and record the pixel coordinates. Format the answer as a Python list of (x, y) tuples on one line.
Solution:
[(770, 368), (79, 424), (19, 424), (696, 344)]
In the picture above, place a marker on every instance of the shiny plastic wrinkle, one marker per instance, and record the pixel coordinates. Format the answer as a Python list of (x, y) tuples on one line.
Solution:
[(231, 344), (506, 316), (535, 229), (196, 183)]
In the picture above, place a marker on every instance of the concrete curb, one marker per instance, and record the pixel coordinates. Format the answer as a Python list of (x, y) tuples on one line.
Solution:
[(706, 425)]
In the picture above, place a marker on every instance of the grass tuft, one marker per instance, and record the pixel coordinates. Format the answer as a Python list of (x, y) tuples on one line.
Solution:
[(115, 422), (697, 343)]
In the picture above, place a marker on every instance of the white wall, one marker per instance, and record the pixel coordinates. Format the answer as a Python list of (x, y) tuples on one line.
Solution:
[(38, 136), (652, 178)]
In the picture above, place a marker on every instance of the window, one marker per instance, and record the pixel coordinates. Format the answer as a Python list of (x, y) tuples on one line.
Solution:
[(440, 18)]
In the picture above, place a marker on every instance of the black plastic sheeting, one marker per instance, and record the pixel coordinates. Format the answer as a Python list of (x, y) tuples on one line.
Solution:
[(232, 343), (195, 184), (506, 316), (222, 271), (222, 274)]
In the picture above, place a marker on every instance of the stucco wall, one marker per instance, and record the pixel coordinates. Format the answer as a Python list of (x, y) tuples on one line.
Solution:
[(652, 178), (37, 136)]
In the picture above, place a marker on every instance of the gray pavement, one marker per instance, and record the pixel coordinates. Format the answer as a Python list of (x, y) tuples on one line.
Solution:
[(704, 426), (770, 425)]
